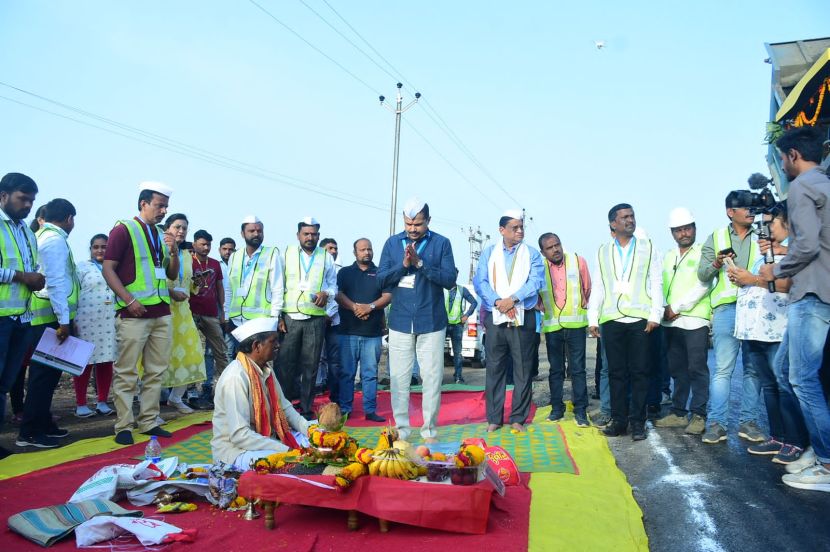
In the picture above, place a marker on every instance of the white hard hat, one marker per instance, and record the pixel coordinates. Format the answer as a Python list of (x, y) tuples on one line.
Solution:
[(680, 216)]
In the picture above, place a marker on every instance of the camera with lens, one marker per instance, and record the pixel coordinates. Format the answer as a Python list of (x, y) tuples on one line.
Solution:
[(759, 202)]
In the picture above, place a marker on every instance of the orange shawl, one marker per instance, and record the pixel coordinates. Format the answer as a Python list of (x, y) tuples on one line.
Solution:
[(265, 421)]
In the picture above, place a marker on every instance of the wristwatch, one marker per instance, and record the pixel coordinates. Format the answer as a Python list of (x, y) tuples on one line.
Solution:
[(420, 263), (372, 306)]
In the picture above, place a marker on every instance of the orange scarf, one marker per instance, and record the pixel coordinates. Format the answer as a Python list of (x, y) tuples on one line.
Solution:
[(266, 421)]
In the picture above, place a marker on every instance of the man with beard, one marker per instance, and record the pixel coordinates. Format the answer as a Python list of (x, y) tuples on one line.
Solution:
[(418, 265), (255, 276), (686, 320), (227, 246), (732, 244), (564, 298), (310, 287), (18, 279), (808, 264), (628, 302), (139, 260)]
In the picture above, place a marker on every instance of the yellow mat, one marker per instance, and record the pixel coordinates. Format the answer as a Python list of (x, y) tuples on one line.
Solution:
[(18, 464), (592, 511)]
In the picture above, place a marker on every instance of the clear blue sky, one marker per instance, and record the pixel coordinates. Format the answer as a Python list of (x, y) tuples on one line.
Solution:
[(671, 112)]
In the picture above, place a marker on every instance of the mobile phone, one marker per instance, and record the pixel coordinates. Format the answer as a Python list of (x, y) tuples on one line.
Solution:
[(727, 251)]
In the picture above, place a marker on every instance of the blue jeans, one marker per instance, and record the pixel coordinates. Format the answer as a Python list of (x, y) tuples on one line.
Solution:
[(456, 332), (604, 385), (15, 340), (331, 348), (555, 345), (786, 423), (354, 350), (727, 347), (808, 320)]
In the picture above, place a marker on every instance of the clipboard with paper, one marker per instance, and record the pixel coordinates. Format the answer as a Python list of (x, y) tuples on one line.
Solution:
[(70, 356)]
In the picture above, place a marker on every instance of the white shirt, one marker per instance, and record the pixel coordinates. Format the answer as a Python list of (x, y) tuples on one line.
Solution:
[(687, 302), (275, 295), (226, 282), (53, 251), (329, 286), (233, 414), (654, 284)]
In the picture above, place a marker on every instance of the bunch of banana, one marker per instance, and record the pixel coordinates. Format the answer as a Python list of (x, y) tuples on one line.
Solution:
[(394, 464)]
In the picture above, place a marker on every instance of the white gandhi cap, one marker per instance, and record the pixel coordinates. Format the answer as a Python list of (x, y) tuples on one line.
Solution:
[(255, 326), (251, 219), (514, 214), (413, 206), (158, 187), (680, 216), (309, 221)]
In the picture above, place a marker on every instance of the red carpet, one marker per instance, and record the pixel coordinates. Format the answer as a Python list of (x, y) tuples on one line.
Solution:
[(299, 528), (457, 407)]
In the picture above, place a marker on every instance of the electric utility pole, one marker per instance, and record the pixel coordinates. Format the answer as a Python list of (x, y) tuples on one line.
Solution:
[(477, 241), (397, 111)]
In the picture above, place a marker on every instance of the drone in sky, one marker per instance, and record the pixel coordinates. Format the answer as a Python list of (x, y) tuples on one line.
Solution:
[(600, 44)]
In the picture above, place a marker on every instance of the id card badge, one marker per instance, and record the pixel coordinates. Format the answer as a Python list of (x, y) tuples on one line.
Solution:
[(305, 285), (161, 274), (407, 281), (622, 287)]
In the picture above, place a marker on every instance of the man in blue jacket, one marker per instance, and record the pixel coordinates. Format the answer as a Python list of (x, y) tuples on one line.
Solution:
[(418, 265)]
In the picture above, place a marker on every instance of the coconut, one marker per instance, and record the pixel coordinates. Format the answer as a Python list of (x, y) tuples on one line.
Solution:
[(330, 418)]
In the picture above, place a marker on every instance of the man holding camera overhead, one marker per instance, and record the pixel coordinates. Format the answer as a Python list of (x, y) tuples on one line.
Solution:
[(732, 244)]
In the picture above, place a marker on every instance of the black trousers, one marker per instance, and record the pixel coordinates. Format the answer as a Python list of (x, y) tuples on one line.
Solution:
[(627, 349), (516, 343), (299, 358), (688, 352), (37, 406)]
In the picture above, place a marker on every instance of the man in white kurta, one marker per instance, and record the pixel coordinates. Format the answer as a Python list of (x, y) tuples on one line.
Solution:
[(236, 439)]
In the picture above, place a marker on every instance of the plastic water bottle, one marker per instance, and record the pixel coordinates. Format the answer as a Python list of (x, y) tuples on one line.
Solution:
[(153, 450)]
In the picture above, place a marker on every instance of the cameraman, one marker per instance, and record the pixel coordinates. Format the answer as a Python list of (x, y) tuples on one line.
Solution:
[(808, 264), (731, 244)]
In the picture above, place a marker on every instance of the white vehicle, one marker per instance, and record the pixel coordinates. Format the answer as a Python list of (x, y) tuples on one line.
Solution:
[(472, 340)]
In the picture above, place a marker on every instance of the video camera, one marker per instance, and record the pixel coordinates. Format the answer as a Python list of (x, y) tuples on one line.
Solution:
[(758, 203)]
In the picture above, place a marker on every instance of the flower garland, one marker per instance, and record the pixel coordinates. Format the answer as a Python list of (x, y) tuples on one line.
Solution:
[(802, 119)]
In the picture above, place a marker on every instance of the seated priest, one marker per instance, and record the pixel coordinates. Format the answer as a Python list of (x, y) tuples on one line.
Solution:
[(252, 418)]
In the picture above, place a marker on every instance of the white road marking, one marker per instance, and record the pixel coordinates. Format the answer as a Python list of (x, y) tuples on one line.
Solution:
[(689, 485)]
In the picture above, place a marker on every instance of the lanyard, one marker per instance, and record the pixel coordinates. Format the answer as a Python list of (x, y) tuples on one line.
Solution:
[(98, 266), (631, 245), (307, 269), (181, 266), (247, 267), (155, 243), (420, 247)]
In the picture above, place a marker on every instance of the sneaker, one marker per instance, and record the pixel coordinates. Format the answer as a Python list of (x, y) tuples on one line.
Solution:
[(581, 419), (57, 433), (556, 416), (39, 441), (180, 406), (601, 420), (459, 381), (697, 425), (751, 432), (788, 455), (715, 433), (104, 409), (815, 478), (84, 412), (672, 420), (808, 458), (638, 432), (768, 447)]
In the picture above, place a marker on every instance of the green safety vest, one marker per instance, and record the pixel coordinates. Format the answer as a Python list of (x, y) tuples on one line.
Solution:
[(680, 276), (254, 303), (14, 296), (572, 315), (637, 302), (42, 312), (724, 291), (295, 299), (145, 288), (453, 311)]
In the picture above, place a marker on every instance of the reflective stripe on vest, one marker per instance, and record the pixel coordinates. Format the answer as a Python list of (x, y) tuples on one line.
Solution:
[(636, 303), (295, 299), (453, 311), (572, 315), (724, 291), (14, 296), (680, 277), (145, 288), (255, 302), (42, 312)]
